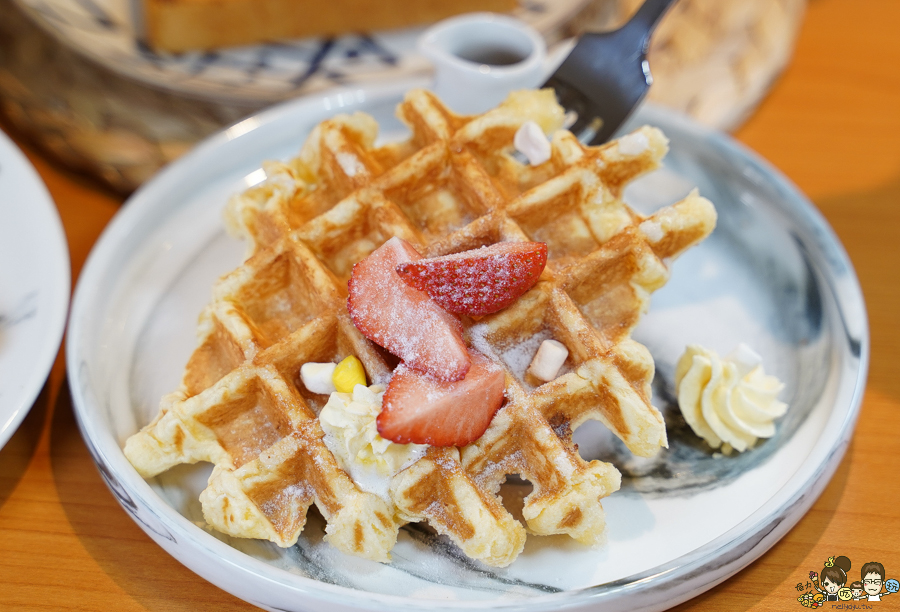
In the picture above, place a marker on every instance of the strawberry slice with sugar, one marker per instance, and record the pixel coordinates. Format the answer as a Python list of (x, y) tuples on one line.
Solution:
[(403, 319), (480, 281), (419, 409)]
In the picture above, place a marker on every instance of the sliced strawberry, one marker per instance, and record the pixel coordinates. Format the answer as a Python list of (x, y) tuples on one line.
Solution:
[(480, 281), (417, 408), (402, 319)]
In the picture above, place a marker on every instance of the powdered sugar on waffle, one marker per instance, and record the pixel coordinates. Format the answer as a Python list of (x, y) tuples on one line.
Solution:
[(516, 356)]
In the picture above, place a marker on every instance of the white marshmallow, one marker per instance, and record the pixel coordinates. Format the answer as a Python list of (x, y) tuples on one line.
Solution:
[(317, 377), (548, 360), (349, 163), (531, 142), (633, 144)]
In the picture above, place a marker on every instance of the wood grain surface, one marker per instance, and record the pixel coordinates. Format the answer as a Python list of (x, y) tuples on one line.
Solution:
[(831, 124)]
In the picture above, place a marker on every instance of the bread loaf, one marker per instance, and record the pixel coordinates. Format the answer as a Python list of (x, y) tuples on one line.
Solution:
[(188, 25)]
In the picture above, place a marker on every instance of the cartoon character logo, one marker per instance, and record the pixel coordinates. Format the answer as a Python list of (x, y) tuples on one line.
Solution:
[(873, 581), (834, 577), (831, 583), (811, 601)]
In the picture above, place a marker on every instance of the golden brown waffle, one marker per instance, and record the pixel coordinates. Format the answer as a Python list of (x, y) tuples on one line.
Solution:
[(452, 186)]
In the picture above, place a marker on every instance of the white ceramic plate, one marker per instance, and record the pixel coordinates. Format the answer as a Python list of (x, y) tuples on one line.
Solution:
[(34, 286), (109, 31), (772, 275)]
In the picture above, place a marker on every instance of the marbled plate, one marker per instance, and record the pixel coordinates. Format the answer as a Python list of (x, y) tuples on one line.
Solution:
[(772, 275), (34, 285)]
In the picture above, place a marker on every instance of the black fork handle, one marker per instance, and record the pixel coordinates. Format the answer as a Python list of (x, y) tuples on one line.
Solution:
[(592, 55), (632, 39), (648, 16)]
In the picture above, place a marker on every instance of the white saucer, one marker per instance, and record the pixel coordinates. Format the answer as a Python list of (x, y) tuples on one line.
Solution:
[(772, 274), (34, 286), (109, 32)]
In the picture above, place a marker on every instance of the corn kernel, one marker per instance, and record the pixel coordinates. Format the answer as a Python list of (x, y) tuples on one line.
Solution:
[(348, 374)]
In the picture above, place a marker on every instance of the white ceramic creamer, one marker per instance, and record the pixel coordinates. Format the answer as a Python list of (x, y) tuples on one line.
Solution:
[(480, 57)]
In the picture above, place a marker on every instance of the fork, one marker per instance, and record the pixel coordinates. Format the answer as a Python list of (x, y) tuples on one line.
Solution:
[(606, 75)]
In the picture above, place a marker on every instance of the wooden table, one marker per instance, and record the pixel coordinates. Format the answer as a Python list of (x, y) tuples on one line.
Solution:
[(832, 124)]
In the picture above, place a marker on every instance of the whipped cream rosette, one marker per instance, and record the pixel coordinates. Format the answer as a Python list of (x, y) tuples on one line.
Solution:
[(730, 402)]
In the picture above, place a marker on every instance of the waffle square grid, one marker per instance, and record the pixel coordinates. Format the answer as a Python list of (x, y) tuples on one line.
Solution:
[(452, 186)]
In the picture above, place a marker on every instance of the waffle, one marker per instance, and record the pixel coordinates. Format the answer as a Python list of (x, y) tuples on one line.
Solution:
[(452, 186)]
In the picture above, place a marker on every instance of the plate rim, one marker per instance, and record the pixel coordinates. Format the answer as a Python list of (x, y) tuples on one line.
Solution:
[(678, 578), (57, 284)]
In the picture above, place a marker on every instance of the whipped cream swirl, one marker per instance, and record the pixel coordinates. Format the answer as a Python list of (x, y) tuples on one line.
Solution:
[(728, 402), (351, 434)]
